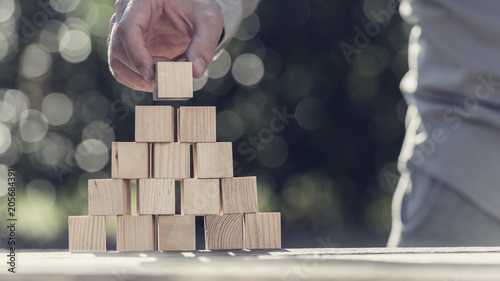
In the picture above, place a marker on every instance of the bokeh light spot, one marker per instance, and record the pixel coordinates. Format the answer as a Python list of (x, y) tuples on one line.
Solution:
[(7, 9), (74, 45), (33, 126), (12, 104), (98, 19), (58, 109), (248, 69), (310, 113), (100, 130), (64, 6), (199, 83), (5, 138), (3, 180), (41, 194), (220, 66), (92, 155), (248, 28), (230, 126), (48, 37), (55, 150), (35, 62)]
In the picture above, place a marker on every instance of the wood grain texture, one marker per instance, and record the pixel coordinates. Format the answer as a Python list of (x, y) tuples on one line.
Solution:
[(154, 124), (129, 160), (109, 197), (239, 195), (135, 233), (155, 196), (263, 231), (172, 160), (87, 233), (173, 81), (176, 233), (200, 196), (223, 232), (213, 160), (196, 124)]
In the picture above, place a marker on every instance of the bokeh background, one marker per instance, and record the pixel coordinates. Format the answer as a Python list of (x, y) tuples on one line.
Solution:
[(329, 167)]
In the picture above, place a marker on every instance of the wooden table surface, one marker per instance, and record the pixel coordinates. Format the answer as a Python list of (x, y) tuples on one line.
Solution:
[(444, 264)]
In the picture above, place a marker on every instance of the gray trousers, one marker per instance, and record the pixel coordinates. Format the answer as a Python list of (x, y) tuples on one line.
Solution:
[(428, 214)]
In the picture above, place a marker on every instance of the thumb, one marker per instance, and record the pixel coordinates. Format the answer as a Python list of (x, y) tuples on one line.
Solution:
[(201, 49)]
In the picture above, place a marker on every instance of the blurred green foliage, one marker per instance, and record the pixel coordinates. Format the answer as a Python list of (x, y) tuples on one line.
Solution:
[(330, 169)]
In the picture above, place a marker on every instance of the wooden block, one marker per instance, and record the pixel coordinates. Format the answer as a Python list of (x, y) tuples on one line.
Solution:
[(109, 197), (239, 195), (173, 81), (129, 160), (155, 196), (135, 233), (223, 232), (213, 160), (176, 233), (172, 160), (263, 231), (200, 196), (87, 234), (154, 124), (196, 124)]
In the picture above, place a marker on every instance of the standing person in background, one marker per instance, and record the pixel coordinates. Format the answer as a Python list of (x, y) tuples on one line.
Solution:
[(449, 191)]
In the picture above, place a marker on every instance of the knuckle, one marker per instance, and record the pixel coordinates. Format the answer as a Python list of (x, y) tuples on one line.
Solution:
[(115, 47), (114, 64), (121, 29)]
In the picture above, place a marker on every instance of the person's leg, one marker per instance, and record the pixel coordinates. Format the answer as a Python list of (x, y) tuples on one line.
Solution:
[(427, 213)]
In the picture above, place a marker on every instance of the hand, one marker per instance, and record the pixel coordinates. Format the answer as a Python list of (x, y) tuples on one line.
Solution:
[(143, 32)]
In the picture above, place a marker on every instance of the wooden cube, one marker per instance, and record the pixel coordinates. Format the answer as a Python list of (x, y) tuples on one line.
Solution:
[(263, 231), (172, 160), (135, 233), (154, 124), (173, 81), (155, 196), (239, 195), (129, 160), (200, 196), (213, 160), (196, 124), (223, 232), (87, 234), (176, 233), (109, 197)]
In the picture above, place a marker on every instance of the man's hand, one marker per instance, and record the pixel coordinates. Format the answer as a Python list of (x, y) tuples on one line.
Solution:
[(143, 32)]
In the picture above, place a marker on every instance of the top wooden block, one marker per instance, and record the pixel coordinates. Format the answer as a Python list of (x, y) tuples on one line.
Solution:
[(173, 81), (154, 124)]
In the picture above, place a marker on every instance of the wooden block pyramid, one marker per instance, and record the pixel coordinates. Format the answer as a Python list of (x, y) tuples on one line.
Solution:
[(156, 161)]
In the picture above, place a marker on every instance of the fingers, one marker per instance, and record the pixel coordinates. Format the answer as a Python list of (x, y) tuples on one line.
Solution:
[(128, 77), (130, 31), (207, 30)]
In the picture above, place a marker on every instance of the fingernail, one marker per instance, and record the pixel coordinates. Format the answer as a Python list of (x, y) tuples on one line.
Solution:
[(199, 65), (146, 74)]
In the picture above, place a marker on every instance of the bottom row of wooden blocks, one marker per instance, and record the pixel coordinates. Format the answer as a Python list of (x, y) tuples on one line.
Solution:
[(176, 232)]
